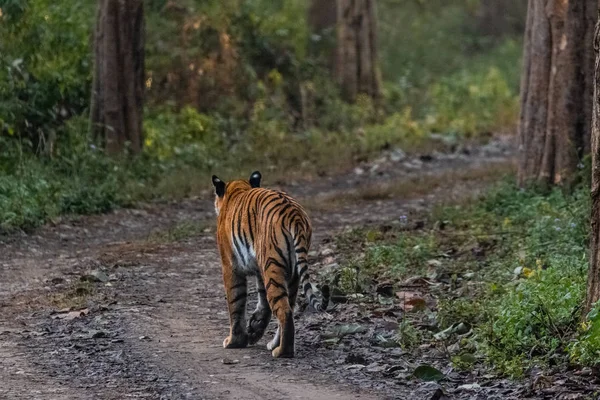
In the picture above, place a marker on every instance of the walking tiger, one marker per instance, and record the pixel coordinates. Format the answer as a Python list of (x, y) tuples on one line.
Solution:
[(266, 234)]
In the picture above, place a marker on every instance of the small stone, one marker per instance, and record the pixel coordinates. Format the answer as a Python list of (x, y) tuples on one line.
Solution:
[(326, 252)]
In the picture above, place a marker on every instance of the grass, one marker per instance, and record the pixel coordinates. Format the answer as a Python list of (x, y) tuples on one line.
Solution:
[(181, 231), (75, 296), (511, 265)]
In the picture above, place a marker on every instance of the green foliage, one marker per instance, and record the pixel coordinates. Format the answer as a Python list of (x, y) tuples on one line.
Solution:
[(45, 66), (586, 348), (231, 85), (524, 298)]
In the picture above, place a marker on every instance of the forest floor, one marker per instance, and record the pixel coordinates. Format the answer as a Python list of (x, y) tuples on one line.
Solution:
[(130, 304)]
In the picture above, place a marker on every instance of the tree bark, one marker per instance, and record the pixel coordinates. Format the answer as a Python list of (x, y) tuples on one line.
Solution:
[(356, 49), (593, 282), (322, 19), (118, 84), (554, 128)]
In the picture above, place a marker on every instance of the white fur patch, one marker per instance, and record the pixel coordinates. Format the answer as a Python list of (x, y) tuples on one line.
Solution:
[(245, 257)]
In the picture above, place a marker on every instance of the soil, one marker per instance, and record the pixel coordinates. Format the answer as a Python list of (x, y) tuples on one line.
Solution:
[(150, 319)]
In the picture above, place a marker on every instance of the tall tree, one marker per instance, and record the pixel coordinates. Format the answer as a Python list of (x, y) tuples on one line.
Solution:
[(593, 282), (356, 55), (118, 83), (556, 89), (354, 60)]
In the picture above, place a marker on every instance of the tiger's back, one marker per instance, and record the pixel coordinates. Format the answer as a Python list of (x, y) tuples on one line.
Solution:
[(267, 234)]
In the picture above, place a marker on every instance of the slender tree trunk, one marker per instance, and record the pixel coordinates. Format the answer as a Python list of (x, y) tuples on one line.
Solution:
[(593, 283), (118, 85), (356, 55), (554, 127), (322, 19)]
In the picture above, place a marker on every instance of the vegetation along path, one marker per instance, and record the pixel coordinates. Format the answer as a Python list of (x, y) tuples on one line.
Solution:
[(131, 305)]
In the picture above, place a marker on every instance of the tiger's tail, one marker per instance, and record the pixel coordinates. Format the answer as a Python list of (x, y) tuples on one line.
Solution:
[(307, 289)]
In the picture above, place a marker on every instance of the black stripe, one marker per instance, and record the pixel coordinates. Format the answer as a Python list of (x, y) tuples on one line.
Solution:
[(302, 271), (278, 250), (306, 286), (250, 229), (239, 297), (272, 282), (238, 285), (238, 248), (301, 250), (272, 261), (281, 296)]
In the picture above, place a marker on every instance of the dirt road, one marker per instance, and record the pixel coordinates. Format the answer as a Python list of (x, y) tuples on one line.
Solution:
[(151, 316)]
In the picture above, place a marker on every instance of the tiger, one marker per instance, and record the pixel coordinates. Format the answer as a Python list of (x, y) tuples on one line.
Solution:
[(264, 234)]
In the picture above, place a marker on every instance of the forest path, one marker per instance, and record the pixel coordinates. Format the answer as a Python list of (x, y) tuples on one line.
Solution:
[(155, 315)]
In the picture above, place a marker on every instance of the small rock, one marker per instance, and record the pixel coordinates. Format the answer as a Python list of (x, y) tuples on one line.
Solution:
[(359, 171), (326, 252), (95, 276), (469, 386), (228, 361), (99, 334), (434, 263), (397, 155)]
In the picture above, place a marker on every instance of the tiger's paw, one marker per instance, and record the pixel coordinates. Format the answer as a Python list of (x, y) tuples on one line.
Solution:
[(235, 342), (279, 352), (257, 325)]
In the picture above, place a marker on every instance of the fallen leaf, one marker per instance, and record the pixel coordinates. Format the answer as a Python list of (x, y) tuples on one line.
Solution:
[(411, 300), (339, 331), (73, 314), (428, 373), (469, 386), (468, 358), (458, 328)]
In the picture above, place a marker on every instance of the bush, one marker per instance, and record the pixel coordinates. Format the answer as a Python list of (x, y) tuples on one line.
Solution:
[(45, 63), (514, 263)]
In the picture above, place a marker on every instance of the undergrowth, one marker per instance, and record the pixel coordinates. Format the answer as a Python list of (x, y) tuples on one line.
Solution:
[(224, 95), (510, 265)]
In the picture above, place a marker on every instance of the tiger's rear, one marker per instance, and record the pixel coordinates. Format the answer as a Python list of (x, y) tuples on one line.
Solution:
[(266, 234)]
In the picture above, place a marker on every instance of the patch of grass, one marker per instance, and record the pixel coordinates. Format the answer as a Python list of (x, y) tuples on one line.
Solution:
[(511, 264), (75, 296), (181, 231)]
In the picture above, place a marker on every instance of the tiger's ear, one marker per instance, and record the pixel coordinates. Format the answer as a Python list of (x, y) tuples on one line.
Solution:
[(255, 179), (219, 186)]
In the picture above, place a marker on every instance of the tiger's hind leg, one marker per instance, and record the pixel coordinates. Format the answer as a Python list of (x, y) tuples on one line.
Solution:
[(282, 344), (261, 316), (236, 290)]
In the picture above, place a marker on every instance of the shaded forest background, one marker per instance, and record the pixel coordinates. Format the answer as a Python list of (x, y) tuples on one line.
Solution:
[(232, 84)]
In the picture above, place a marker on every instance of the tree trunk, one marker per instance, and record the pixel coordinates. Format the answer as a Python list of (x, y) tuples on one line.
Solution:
[(118, 85), (356, 50), (593, 282), (322, 19), (554, 128)]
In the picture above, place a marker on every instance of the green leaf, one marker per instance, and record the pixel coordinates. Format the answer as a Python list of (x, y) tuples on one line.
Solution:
[(428, 373)]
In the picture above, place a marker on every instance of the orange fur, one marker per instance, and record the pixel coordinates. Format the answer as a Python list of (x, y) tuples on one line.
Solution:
[(266, 234)]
